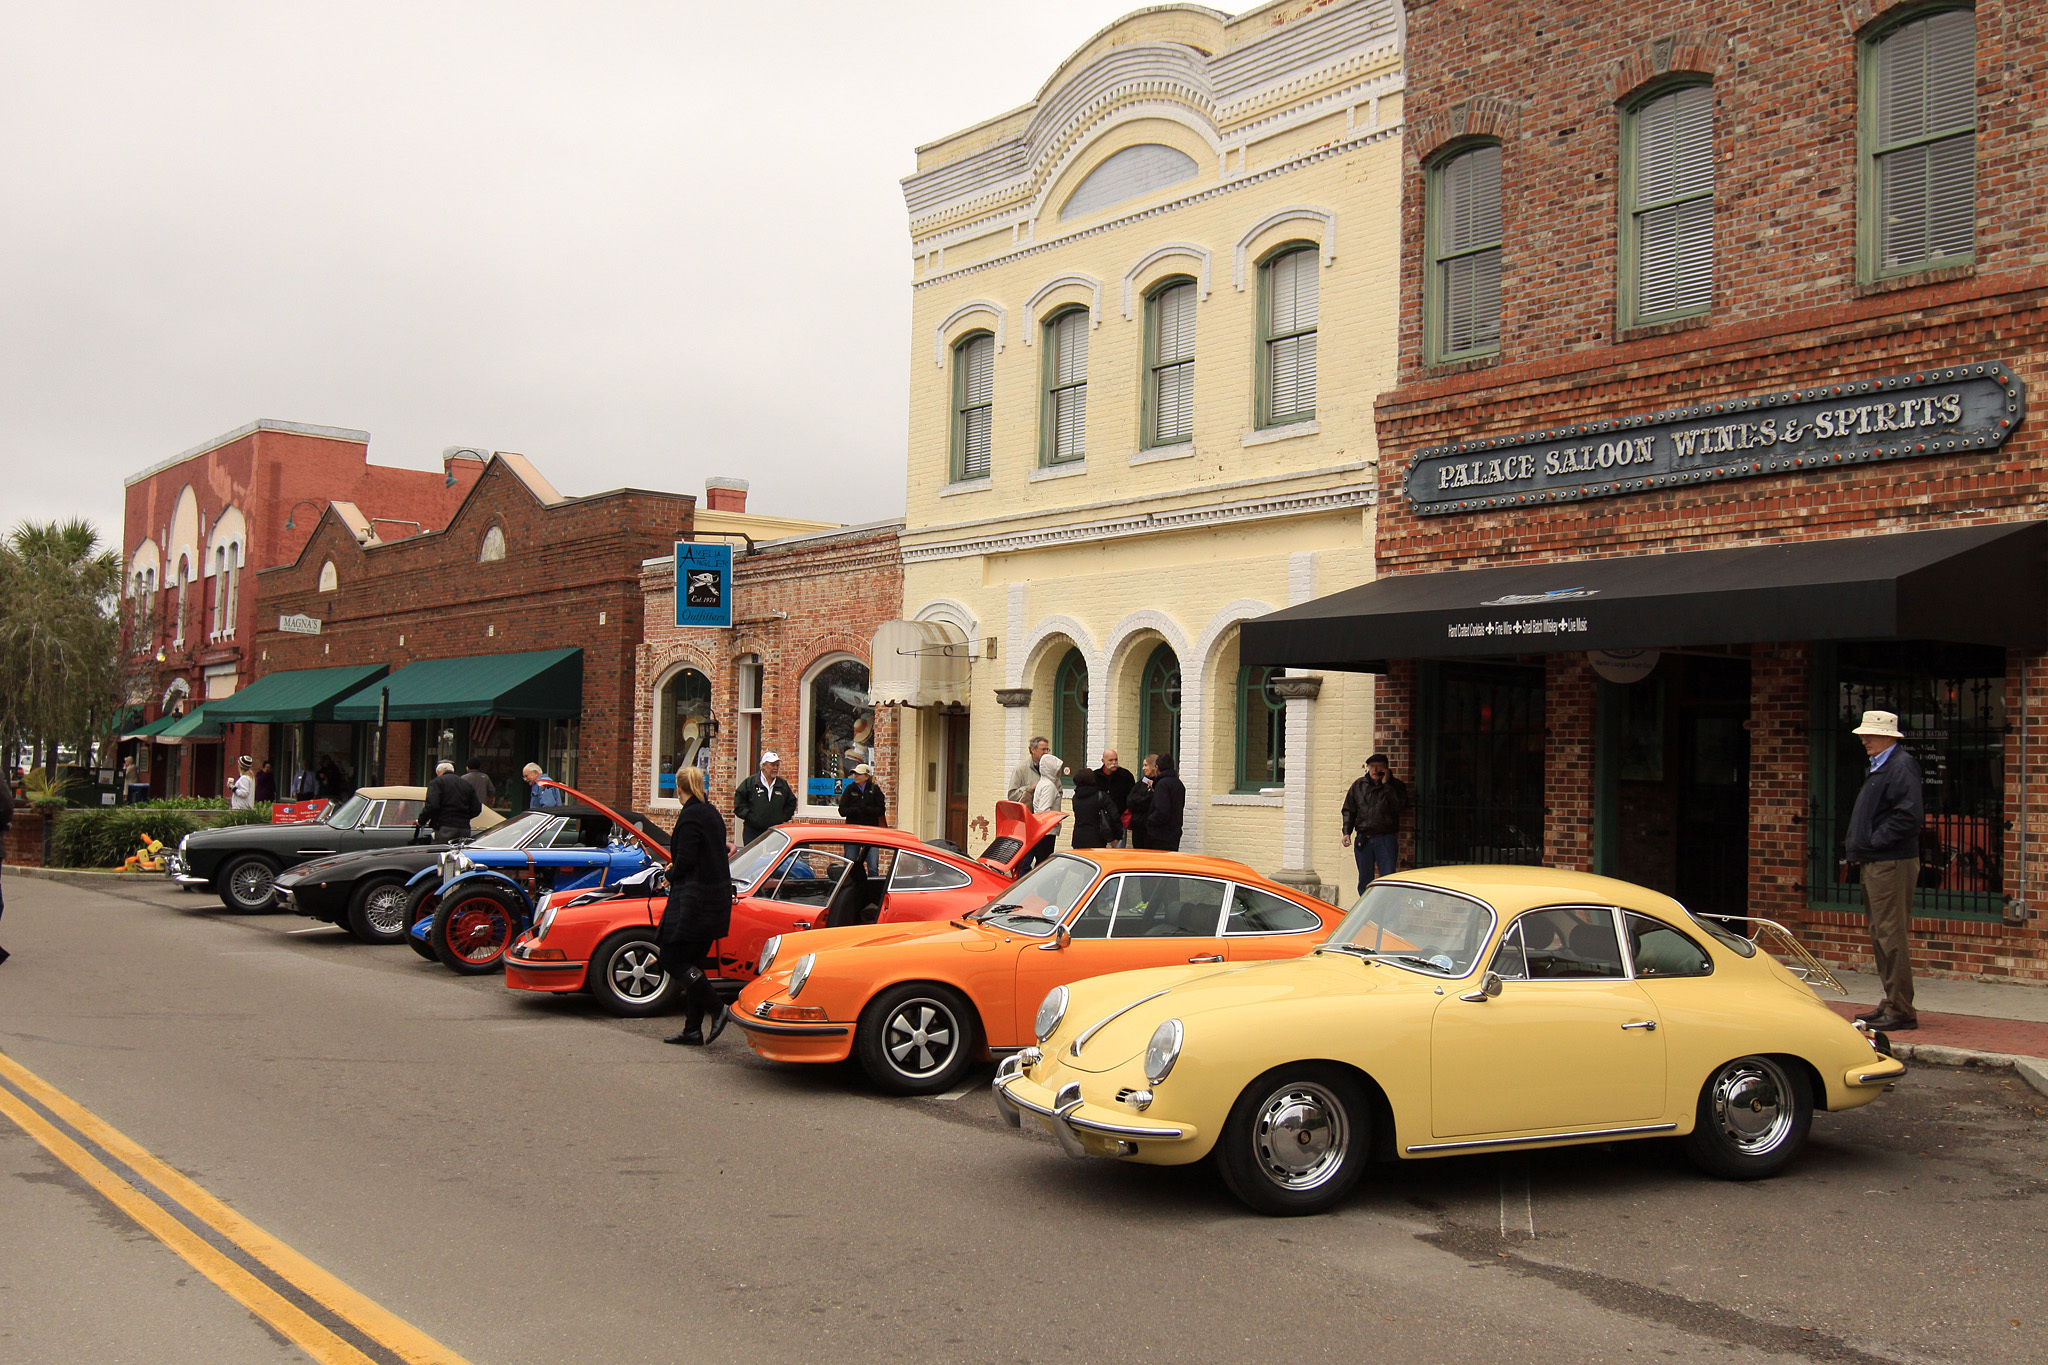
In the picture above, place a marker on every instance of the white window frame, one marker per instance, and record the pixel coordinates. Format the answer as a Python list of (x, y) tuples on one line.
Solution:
[(805, 807)]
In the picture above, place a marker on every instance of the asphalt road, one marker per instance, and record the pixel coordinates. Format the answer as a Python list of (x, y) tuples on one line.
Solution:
[(529, 1180)]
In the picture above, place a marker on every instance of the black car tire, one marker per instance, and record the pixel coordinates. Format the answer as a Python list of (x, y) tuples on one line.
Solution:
[(248, 884), (416, 909), (918, 1038), (1297, 1140), (618, 968), (1754, 1113), (501, 910), (376, 912)]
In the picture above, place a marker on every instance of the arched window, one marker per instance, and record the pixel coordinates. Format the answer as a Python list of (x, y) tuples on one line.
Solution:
[(1070, 710), (493, 546), (1667, 221), (234, 588), (1132, 172), (838, 727), (682, 727), (329, 579), (974, 375), (1159, 704), (1918, 208), (1063, 419), (1261, 730), (1170, 364), (184, 577), (1289, 291), (1461, 288)]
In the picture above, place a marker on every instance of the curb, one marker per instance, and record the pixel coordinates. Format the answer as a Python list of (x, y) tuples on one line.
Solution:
[(86, 876), (2032, 1070)]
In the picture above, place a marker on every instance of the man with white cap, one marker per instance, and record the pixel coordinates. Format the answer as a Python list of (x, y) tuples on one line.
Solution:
[(763, 800), (1884, 839)]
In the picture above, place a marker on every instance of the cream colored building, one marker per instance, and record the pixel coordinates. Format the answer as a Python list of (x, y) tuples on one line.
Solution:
[(1151, 311)]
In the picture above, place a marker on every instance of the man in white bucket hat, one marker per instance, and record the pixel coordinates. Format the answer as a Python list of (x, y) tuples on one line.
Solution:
[(1884, 838)]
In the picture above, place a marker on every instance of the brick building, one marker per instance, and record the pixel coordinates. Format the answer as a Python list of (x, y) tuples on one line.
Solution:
[(793, 674), (192, 526), (1718, 325)]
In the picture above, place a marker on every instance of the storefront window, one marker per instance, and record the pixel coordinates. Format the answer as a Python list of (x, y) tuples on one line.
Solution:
[(682, 716), (1261, 730), (1070, 711), (1159, 704), (839, 727), (561, 742), (1480, 769), (1950, 701)]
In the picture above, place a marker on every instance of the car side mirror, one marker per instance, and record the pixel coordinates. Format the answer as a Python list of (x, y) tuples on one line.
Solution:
[(1060, 939), (1489, 987)]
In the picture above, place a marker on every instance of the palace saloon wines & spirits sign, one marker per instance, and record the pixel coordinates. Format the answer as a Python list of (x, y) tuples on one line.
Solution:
[(1928, 412)]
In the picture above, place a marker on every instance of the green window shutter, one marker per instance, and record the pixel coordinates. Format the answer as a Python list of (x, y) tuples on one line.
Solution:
[(1671, 205), (1924, 92), (1466, 272), (1173, 365), (1292, 307), (1066, 340), (974, 366)]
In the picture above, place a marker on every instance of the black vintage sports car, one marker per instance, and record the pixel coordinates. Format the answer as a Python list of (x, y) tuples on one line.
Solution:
[(241, 862), (373, 894)]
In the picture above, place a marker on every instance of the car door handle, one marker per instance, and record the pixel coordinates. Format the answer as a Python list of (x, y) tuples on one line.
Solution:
[(1209, 957), (1646, 1025), (800, 924)]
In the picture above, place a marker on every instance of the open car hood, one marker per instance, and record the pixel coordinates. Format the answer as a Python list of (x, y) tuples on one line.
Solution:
[(1017, 830)]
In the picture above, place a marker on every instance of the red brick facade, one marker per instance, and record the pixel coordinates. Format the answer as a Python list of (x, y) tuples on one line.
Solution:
[(1788, 311), (798, 603), (569, 576)]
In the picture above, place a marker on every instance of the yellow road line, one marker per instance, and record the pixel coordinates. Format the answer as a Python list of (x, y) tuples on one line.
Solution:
[(397, 1337)]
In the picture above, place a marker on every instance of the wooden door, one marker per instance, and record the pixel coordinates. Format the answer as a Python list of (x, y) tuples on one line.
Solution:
[(956, 779)]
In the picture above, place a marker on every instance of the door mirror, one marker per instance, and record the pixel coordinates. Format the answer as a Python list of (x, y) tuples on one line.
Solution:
[(1060, 939), (1489, 987)]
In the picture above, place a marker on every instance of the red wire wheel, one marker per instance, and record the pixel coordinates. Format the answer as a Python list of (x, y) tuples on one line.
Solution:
[(473, 929)]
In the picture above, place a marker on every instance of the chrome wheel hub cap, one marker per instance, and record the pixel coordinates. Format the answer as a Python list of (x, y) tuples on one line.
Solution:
[(386, 910), (637, 974), (919, 1038), (1301, 1136), (1749, 1102)]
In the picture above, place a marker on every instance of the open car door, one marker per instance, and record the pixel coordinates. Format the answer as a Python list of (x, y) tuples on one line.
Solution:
[(1018, 830)]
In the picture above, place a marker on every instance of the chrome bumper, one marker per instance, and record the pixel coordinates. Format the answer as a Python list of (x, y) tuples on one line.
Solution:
[(1062, 1117), (174, 868)]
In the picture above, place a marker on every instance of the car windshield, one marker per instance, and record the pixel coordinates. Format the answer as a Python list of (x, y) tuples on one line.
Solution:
[(1417, 927), (757, 857), (1037, 903), (514, 833), (345, 815)]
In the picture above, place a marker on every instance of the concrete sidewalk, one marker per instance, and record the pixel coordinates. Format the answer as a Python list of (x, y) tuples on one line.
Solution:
[(1964, 1023)]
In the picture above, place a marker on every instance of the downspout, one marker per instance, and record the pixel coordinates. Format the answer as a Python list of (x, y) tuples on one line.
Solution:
[(2016, 906)]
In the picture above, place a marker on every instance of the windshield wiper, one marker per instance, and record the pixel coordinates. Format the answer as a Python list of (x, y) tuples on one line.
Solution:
[(1351, 948), (1418, 961), (991, 911)]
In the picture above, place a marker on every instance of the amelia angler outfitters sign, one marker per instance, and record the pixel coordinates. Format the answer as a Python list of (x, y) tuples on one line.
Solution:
[(1928, 412)]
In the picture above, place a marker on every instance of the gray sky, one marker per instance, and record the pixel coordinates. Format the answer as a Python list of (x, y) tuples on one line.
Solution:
[(640, 243)]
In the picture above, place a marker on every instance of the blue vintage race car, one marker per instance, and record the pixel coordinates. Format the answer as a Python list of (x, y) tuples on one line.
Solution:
[(475, 901)]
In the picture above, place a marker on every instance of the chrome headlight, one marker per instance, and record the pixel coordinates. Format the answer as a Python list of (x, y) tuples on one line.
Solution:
[(184, 843), (1051, 1011), (768, 952), (464, 863), (802, 973), (541, 925), (1163, 1051)]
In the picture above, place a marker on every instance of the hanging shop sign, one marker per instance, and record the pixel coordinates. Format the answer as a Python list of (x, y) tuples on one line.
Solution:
[(299, 625), (703, 584), (1624, 666), (1927, 412)]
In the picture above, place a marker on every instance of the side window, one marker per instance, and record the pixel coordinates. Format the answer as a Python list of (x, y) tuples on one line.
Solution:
[(806, 877), (1158, 906), (914, 872), (1261, 912), (1096, 917), (1570, 945), (1462, 285), (974, 370), (1919, 134), (587, 832), (1510, 963), (400, 814), (1660, 950), (372, 817)]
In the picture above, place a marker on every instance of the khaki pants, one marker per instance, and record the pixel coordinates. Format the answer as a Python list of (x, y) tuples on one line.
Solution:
[(1888, 893)]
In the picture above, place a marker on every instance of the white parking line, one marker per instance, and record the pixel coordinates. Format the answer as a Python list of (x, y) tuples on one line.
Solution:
[(956, 1094), (1517, 1206)]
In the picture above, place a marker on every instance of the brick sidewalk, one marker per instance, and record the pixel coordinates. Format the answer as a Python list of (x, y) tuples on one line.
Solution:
[(2017, 1036)]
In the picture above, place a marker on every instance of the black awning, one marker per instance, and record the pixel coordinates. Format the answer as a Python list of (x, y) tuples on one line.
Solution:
[(1972, 585)]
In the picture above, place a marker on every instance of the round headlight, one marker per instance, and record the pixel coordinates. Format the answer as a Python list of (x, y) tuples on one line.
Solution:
[(541, 925), (802, 973), (463, 862), (1050, 1011), (768, 952), (1163, 1051)]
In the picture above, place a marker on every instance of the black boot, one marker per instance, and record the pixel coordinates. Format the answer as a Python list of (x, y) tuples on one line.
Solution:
[(695, 988)]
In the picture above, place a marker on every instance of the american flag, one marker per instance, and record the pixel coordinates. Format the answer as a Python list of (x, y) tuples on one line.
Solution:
[(481, 728)]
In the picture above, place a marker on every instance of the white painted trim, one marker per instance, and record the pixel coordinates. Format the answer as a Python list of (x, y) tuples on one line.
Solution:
[(804, 808), (952, 612), (1185, 450), (1104, 505), (652, 700), (954, 490), (1151, 258), (1267, 435), (1090, 127), (1066, 469), (1088, 282), (967, 310), (1297, 213)]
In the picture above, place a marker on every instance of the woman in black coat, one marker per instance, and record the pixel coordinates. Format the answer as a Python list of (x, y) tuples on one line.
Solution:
[(699, 910), (1138, 806), (1092, 809), (1169, 803)]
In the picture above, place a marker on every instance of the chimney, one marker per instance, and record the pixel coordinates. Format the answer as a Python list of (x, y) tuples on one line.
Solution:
[(725, 495)]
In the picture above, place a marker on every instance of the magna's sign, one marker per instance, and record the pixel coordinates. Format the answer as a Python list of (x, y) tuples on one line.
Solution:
[(299, 625), (1928, 412)]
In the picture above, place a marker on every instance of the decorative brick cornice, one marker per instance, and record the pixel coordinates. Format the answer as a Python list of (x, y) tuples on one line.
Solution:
[(1689, 50), (1481, 116), (1859, 15)]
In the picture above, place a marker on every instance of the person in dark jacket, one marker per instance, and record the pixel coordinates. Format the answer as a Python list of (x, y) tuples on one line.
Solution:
[(1372, 814), (451, 805), (862, 801), (480, 782), (1097, 824), (1137, 809), (1169, 804), (763, 800), (266, 783), (1884, 838), (699, 910), (1116, 782)]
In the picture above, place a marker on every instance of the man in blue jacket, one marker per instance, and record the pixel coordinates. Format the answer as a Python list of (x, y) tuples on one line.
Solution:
[(1884, 837)]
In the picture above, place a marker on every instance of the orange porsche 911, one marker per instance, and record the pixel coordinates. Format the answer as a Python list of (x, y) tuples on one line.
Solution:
[(920, 1004)]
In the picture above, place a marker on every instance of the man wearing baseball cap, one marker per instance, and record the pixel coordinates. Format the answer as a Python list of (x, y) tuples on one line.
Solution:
[(763, 800), (1884, 839)]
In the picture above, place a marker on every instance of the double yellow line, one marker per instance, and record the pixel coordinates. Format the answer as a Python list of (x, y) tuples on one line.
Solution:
[(328, 1320)]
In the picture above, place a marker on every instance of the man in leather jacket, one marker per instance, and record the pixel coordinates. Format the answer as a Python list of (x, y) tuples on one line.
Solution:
[(1372, 815)]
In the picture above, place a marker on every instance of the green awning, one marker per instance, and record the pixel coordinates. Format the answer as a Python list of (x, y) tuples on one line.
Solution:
[(544, 685), (298, 694), (155, 727), (194, 724)]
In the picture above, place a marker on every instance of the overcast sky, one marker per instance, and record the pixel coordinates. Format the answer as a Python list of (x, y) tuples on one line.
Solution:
[(640, 243)]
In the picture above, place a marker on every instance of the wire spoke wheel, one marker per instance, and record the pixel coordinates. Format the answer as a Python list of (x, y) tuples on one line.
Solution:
[(248, 884), (478, 930)]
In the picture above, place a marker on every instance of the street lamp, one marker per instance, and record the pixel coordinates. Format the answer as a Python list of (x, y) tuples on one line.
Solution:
[(289, 524)]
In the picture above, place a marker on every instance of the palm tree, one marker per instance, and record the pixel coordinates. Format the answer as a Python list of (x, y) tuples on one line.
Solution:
[(59, 644)]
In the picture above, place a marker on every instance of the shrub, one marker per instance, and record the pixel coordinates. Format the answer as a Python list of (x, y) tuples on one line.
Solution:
[(107, 836), (259, 814), (181, 803)]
